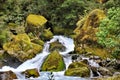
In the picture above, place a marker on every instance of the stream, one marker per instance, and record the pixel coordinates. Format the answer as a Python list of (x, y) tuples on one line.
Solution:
[(37, 61)]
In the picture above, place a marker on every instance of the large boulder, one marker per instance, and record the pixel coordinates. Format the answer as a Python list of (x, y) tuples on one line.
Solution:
[(78, 69), (36, 20), (22, 48), (54, 62), (35, 24), (85, 38)]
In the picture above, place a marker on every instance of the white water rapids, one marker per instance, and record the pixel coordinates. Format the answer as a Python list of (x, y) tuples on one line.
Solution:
[(37, 61)]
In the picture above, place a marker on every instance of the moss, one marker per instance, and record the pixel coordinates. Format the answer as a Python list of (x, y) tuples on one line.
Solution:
[(78, 69), (54, 62), (31, 73), (115, 77), (22, 48), (47, 34), (103, 53), (36, 20), (38, 41), (56, 46)]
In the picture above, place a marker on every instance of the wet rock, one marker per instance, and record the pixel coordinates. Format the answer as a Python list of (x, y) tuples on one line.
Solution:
[(54, 62), (78, 69), (1, 64), (104, 71), (8, 60), (85, 61), (57, 46), (7, 75), (94, 71), (22, 48), (74, 57), (31, 73), (117, 65)]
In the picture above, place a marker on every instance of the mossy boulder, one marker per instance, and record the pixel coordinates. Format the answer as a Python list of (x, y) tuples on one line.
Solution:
[(31, 73), (46, 35), (85, 38), (56, 46), (78, 69), (22, 48), (35, 24), (54, 62), (36, 20)]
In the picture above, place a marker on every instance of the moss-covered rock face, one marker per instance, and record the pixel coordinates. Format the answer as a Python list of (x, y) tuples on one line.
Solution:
[(78, 69), (54, 62), (86, 39), (22, 48), (56, 46)]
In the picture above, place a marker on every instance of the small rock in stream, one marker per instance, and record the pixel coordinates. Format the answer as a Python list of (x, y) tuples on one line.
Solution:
[(7, 75), (31, 73)]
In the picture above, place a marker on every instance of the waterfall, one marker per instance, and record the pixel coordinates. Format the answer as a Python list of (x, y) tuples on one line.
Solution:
[(37, 61)]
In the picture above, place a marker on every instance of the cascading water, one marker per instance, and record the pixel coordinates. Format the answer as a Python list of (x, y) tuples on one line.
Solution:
[(37, 61)]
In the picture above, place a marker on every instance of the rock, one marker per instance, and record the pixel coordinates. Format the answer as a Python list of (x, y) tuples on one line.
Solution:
[(104, 71), (46, 35), (7, 75), (86, 39), (113, 78), (116, 77), (78, 69), (85, 61), (35, 24), (57, 46), (94, 71), (74, 57), (54, 62), (36, 20), (31, 73), (117, 65), (22, 48)]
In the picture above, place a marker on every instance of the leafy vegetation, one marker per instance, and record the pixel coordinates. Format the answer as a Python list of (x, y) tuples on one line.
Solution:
[(109, 30)]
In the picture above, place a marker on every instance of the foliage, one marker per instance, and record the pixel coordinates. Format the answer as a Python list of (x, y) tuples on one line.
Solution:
[(61, 13), (109, 29), (111, 3), (4, 36)]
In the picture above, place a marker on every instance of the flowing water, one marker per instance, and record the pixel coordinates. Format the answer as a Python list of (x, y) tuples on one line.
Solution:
[(37, 61)]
